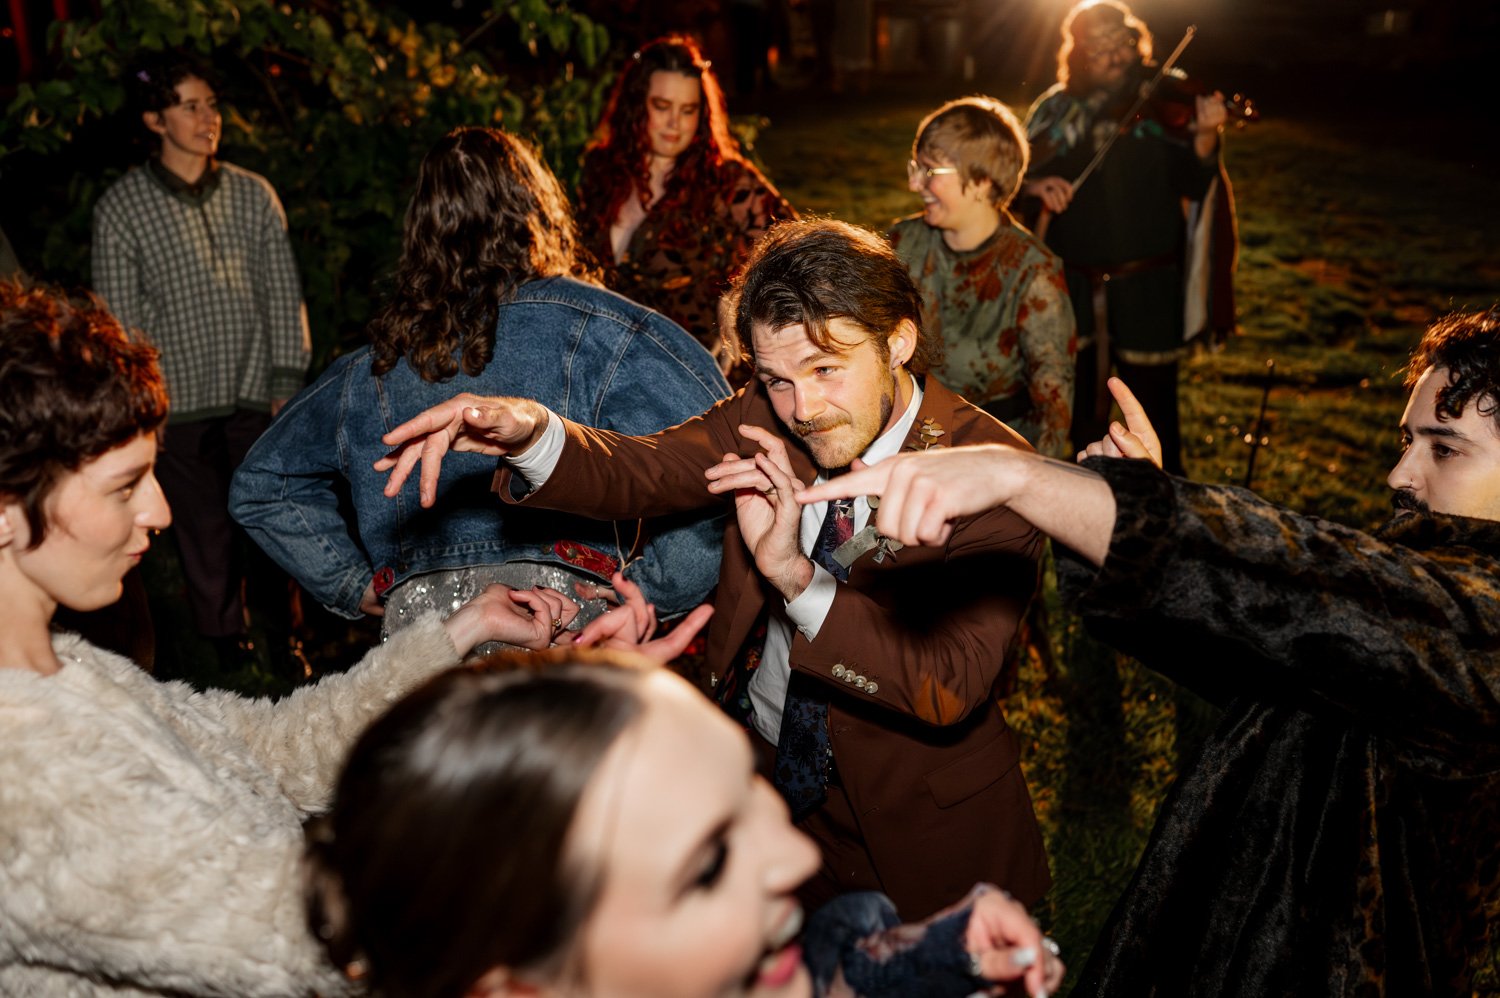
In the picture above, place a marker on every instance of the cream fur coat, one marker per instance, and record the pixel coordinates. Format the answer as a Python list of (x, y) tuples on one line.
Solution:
[(150, 835)]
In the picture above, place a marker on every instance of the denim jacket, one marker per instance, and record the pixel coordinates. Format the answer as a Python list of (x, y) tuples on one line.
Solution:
[(308, 495)]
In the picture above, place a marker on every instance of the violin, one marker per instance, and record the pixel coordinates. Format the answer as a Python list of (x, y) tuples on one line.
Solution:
[(1173, 102)]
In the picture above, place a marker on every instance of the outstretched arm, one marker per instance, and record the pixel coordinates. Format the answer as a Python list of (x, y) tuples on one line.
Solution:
[(921, 494)]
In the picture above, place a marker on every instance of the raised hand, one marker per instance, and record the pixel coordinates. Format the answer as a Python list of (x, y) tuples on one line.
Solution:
[(1210, 114), (1136, 439), (1055, 192), (765, 503), (1006, 944), (469, 423)]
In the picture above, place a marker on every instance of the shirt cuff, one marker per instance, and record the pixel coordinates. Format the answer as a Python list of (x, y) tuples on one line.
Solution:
[(540, 459), (285, 382), (808, 611)]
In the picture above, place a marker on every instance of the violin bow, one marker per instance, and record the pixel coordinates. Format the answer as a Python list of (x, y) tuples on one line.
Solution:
[(1135, 108)]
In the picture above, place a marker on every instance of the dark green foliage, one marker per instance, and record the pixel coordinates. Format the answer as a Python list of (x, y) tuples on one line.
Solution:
[(334, 103)]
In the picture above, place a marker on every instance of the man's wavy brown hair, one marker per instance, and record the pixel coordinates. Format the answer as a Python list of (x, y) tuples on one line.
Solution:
[(812, 271), (487, 216)]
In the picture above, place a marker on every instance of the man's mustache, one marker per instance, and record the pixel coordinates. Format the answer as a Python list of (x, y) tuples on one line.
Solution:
[(1407, 499), (807, 427)]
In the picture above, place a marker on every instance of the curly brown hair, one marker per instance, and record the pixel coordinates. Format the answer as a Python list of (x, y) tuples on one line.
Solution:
[(75, 385), (616, 162), (1091, 16), (1467, 345), (487, 216)]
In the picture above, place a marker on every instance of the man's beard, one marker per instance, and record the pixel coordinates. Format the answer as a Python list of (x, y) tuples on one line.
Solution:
[(1405, 500), (830, 460)]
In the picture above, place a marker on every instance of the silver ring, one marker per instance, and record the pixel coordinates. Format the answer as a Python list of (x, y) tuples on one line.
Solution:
[(976, 969), (1050, 945), (557, 624)]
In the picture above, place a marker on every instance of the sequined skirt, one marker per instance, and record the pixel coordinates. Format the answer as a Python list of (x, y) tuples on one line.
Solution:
[(445, 591)]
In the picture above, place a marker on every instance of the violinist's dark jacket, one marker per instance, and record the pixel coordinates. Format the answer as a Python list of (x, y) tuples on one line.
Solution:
[(1340, 834)]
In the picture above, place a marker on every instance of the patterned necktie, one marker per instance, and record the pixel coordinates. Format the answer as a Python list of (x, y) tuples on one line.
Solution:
[(803, 752)]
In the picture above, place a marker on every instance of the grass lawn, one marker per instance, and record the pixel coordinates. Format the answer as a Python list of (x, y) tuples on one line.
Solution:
[(1349, 247)]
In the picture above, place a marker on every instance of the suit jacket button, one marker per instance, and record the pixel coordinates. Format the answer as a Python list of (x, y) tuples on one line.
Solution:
[(848, 675), (838, 671), (859, 681), (872, 688)]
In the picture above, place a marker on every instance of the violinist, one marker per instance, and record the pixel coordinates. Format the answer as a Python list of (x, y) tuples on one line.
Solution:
[(1121, 235)]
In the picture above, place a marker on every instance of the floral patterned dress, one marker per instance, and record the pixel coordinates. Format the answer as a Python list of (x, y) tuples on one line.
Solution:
[(1000, 321), (681, 271)]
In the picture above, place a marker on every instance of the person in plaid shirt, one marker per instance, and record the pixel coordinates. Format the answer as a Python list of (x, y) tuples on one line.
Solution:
[(194, 253)]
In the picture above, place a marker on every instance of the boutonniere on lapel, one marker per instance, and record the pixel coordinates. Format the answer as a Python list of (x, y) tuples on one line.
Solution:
[(928, 434)]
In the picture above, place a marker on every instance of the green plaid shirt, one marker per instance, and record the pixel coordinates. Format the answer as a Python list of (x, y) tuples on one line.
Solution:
[(207, 273)]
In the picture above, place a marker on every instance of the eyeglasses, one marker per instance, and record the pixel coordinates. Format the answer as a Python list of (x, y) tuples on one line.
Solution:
[(919, 174), (1105, 45)]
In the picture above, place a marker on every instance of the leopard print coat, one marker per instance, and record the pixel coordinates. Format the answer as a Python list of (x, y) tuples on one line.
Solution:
[(1340, 833)]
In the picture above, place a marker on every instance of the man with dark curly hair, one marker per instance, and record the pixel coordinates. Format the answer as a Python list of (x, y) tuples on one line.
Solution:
[(1338, 833)]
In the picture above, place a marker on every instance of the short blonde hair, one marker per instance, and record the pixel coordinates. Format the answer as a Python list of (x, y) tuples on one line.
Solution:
[(983, 138)]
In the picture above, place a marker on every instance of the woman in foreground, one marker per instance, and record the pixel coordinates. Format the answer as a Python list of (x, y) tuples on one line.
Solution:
[(575, 823), (150, 834)]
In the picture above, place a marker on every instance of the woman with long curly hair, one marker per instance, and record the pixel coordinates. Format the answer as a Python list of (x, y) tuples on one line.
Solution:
[(667, 202), (488, 298)]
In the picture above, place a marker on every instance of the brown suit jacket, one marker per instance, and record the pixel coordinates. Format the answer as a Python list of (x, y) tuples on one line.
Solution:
[(922, 748)]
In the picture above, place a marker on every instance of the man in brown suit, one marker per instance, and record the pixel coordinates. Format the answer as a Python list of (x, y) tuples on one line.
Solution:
[(872, 701)]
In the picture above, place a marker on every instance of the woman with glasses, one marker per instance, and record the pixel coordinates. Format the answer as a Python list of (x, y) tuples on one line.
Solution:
[(1122, 234), (668, 204), (994, 299)]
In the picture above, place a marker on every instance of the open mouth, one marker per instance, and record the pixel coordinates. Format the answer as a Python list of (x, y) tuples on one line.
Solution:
[(783, 956)]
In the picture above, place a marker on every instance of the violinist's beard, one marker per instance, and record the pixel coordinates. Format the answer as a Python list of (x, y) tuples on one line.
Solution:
[(1115, 79)]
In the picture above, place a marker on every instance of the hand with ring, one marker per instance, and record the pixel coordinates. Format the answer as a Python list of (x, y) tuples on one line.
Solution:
[(1005, 945), (529, 618)]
